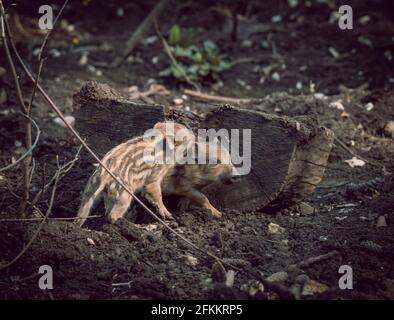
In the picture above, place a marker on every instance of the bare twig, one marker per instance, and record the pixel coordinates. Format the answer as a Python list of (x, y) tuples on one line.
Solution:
[(63, 170), (18, 89), (173, 60), (24, 110), (37, 232), (209, 97), (310, 261), (242, 61), (28, 151)]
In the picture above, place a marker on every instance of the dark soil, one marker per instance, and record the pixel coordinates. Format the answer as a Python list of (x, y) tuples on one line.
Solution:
[(108, 262)]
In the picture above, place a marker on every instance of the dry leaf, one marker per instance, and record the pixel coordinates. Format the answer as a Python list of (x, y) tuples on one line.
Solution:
[(312, 287), (355, 162)]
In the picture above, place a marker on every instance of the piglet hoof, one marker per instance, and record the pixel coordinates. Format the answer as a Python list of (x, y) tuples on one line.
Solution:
[(216, 213)]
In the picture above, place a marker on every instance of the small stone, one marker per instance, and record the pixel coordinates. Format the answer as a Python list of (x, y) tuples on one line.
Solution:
[(337, 105), (320, 96), (247, 43), (292, 3), (230, 277), (265, 44), (365, 41), (275, 76), (178, 101), (120, 12), (364, 20), (280, 276), (150, 40), (91, 68), (381, 222), (84, 59), (91, 241), (69, 119), (241, 82), (155, 60), (333, 52), (190, 260), (276, 18), (55, 53), (306, 209), (369, 106), (274, 228)]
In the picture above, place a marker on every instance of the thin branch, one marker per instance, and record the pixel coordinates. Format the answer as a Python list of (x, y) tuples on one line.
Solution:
[(312, 260), (28, 151), (19, 94), (63, 170), (209, 97)]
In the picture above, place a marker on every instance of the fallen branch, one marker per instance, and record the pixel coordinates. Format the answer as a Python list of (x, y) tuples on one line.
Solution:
[(310, 261), (215, 98)]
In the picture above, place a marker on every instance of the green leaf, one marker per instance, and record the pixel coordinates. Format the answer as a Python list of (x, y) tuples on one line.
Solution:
[(177, 71), (224, 65), (211, 48), (166, 72), (204, 69), (175, 35), (188, 52), (193, 69)]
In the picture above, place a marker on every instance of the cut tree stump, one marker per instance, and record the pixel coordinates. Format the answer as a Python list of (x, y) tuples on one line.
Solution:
[(288, 155), (288, 159)]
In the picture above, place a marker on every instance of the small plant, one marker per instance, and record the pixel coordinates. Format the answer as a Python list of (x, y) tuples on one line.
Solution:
[(194, 61)]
